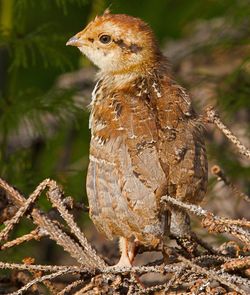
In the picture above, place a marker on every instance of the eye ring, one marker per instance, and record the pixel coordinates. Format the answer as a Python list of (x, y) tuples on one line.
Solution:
[(105, 39)]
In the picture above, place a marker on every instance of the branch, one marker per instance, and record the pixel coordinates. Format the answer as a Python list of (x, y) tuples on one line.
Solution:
[(46, 224), (215, 223), (222, 278), (23, 209), (213, 117), (35, 234), (71, 286), (37, 267), (54, 194), (236, 264), (216, 170), (40, 280)]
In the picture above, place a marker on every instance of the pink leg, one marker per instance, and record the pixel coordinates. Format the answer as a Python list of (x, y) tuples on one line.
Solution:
[(127, 256), (127, 249)]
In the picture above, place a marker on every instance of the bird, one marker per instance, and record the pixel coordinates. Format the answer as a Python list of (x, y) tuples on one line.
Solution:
[(146, 139)]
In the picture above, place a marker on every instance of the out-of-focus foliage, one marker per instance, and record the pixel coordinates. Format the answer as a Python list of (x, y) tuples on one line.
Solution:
[(33, 56)]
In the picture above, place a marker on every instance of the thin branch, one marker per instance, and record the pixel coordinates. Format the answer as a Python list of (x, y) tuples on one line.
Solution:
[(13, 194), (224, 279), (216, 170), (213, 222), (61, 238), (35, 234), (40, 280), (237, 263), (86, 255), (171, 268), (37, 267), (35, 274), (54, 195), (71, 286), (22, 210), (213, 117)]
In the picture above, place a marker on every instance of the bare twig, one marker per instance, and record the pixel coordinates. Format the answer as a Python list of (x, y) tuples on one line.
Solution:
[(35, 234), (87, 257), (40, 280), (224, 279), (70, 287), (13, 194), (237, 263), (46, 268), (54, 195), (213, 117), (52, 289), (216, 170), (215, 223), (15, 219)]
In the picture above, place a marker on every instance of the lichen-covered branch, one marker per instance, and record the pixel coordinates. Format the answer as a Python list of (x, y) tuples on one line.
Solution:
[(214, 223)]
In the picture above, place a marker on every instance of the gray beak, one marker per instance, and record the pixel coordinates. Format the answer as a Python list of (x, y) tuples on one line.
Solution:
[(74, 41)]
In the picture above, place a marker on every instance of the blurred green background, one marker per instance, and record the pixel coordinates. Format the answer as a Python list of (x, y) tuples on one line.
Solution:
[(44, 132)]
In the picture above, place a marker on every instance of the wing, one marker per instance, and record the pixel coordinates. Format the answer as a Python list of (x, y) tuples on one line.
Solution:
[(181, 143)]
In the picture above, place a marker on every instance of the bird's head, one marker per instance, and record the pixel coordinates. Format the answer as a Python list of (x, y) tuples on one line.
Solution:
[(117, 43)]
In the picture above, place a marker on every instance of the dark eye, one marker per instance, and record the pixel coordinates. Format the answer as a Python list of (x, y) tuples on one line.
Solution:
[(105, 39)]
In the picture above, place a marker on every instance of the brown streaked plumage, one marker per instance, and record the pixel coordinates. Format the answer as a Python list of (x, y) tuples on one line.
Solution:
[(146, 141)]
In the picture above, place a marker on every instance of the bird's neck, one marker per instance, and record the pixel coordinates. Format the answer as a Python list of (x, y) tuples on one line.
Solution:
[(121, 78), (118, 80), (149, 66)]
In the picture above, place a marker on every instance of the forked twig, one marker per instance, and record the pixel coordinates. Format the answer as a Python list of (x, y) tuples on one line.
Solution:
[(22, 210), (54, 195), (86, 255), (61, 238)]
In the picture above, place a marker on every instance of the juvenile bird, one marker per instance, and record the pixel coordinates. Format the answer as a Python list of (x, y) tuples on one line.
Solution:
[(146, 139)]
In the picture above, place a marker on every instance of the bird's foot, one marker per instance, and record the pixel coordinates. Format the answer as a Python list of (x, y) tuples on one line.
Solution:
[(127, 253), (123, 262)]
